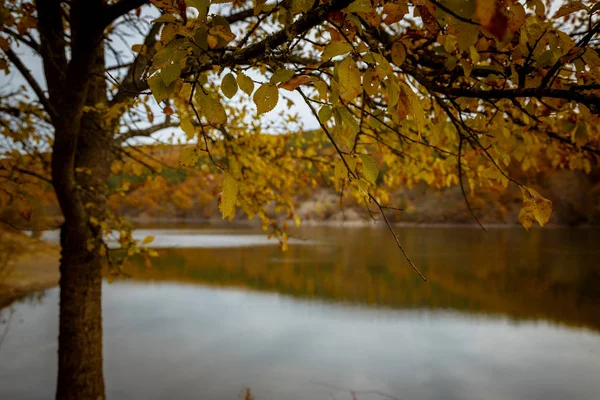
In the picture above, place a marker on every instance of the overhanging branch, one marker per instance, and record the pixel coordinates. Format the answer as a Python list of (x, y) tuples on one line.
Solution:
[(317, 16), (33, 84), (121, 8)]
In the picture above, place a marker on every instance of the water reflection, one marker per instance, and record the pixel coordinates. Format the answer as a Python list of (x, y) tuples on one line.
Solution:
[(543, 274), (507, 315)]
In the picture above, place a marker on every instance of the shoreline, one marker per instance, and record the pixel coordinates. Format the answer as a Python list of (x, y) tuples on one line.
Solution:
[(32, 269), (361, 223), (36, 267)]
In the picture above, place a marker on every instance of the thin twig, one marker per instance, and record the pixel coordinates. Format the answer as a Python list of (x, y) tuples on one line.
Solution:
[(387, 222)]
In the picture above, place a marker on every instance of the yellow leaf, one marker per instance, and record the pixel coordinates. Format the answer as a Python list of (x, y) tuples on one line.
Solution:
[(188, 157), (148, 239), (266, 98), (339, 171), (517, 17), (485, 10), (212, 41), (222, 32), (324, 114), (188, 128), (170, 73), (159, 90), (301, 5), (335, 48), (229, 86), (138, 48), (211, 108), (229, 192), (569, 8), (281, 75), (348, 79), (398, 53), (369, 168), (535, 208), (395, 11), (360, 6), (245, 83), (414, 106), (466, 35)]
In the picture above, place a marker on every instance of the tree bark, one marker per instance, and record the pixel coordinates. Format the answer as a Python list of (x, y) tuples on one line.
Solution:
[(80, 367), (80, 370)]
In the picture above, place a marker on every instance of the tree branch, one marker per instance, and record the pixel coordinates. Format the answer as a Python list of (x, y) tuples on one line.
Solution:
[(33, 84), (317, 16), (121, 8), (133, 82), (146, 132), (52, 47), (29, 42)]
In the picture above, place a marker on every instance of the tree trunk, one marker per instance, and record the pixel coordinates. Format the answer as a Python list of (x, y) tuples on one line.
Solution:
[(80, 367), (80, 373)]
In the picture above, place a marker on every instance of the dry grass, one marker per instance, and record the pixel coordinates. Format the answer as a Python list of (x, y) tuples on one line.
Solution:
[(26, 265)]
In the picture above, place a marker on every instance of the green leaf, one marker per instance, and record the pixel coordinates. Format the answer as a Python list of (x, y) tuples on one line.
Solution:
[(200, 5), (339, 171), (188, 157), (347, 118), (335, 48), (398, 53), (211, 108), (281, 75), (187, 127), (360, 6), (348, 79), (229, 192), (148, 239), (325, 114), (229, 86), (245, 83), (159, 90), (466, 35), (535, 208), (301, 5), (369, 168), (170, 73), (266, 97)]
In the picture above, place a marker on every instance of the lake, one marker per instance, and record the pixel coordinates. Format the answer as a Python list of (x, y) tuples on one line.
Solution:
[(507, 314)]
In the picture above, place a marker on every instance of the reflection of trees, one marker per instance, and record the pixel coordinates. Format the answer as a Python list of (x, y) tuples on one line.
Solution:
[(549, 274)]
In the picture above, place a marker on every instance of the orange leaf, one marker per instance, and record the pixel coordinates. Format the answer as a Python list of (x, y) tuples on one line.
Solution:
[(428, 20), (296, 81), (490, 15)]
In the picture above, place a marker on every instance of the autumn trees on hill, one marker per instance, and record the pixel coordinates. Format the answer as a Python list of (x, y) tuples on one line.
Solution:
[(447, 92)]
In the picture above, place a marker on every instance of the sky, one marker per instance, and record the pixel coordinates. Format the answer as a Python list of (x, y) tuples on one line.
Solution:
[(270, 121)]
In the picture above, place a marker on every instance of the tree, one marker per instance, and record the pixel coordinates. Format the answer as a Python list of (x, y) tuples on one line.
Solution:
[(448, 92)]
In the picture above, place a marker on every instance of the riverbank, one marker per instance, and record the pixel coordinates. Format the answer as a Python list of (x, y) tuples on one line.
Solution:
[(28, 265)]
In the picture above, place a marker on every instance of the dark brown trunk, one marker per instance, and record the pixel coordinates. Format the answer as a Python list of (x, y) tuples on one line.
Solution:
[(80, 372)]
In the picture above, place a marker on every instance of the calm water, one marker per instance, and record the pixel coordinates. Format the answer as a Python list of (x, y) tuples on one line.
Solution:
[(505, 315)]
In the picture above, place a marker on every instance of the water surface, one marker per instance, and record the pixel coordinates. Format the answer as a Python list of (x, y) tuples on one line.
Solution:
[(505, 315)]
